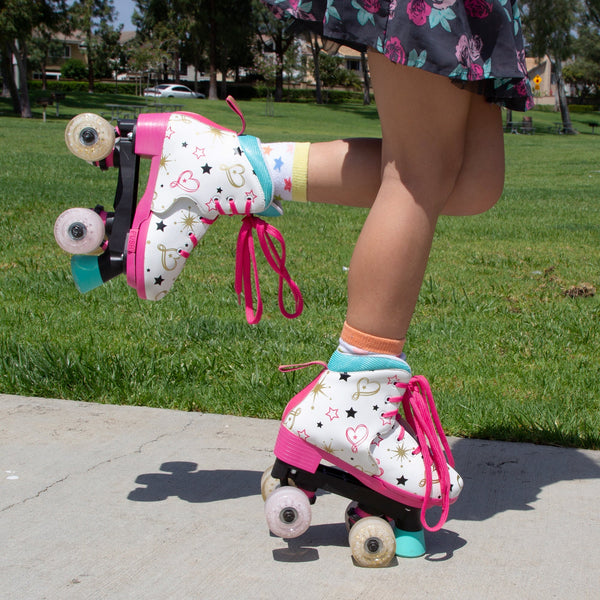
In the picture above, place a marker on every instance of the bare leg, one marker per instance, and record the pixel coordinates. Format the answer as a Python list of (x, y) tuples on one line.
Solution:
[(426, 149), (348, 172)]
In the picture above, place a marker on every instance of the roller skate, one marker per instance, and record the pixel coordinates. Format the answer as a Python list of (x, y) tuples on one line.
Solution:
[(198, 172), (392, 467)]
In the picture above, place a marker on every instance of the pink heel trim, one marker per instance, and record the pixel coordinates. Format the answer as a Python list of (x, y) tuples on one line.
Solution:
[(295, 451)]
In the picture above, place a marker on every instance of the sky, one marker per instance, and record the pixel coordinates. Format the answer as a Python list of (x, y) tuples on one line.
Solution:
[(125, 9)]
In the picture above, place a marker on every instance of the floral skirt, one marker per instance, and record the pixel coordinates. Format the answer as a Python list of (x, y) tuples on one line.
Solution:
[(478, 44)]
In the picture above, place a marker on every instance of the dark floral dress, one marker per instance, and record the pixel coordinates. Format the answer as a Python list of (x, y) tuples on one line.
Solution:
[(478, 44)]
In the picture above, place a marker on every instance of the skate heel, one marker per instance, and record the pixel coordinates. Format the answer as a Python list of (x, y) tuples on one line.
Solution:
[(294, 451), (150, 133)]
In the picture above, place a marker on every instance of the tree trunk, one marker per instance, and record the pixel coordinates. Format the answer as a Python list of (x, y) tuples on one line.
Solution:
[(212, 54), (562, 98), (279, 58), (90, 55), (316, 51), (366, 79), (19, 50), (8, 77)]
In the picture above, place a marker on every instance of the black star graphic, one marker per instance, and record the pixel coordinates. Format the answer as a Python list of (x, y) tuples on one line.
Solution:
[(319, 424), (160, 226), (219, 190), (401, 480), (375, 407), (206, 169), (184, 145), (351, 413), (344, 376), (158, 280), (237, 151)]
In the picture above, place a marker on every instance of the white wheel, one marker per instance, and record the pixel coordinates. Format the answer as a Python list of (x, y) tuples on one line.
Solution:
[(372, 542), (79, 230), (287, 511), (90, 137), (268, 483)]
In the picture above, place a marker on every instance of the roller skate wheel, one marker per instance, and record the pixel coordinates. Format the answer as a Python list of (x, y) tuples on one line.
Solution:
[(79, 230), (90, 137), (372, 542), (288, 512), (268, 483)]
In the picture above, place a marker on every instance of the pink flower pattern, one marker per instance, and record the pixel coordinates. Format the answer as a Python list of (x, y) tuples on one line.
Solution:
[(465, 40)]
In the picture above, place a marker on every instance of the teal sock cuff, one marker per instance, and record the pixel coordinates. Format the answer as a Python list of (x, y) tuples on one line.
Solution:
[(342, 362), (251, 147)]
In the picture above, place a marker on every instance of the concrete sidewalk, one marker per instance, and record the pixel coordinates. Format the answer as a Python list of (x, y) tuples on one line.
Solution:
[(119, 502)]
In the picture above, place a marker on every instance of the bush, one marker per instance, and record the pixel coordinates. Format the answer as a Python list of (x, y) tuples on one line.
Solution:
[(74, 69)]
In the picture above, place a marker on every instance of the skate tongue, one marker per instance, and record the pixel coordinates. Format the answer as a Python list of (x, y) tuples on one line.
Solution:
[(246, 271)]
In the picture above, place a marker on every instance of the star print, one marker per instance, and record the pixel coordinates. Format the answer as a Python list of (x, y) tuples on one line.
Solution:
[(345, 376), (400, 452), (319, 424), (169, 133), (160, 226), (278, 164), (158, 280), (199, 152), (164, 159), (267, 150), (211, 204), (375, 407), (219, 190), (401, 480), (351, 413), (302, 434), (250, 196), (378, 439), (184, 145), (287, 184), (237, 151), (206, 169), (332, 413)]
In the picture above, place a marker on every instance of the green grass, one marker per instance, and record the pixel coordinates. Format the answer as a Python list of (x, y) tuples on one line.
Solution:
[(509, 355)]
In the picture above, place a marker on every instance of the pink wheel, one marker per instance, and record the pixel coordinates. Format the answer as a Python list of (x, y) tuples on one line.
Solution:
[(79, 230), (90, 137), (287, 511)]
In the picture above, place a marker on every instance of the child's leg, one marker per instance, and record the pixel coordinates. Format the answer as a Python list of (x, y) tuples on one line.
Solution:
[(348, 172), (429, 149)]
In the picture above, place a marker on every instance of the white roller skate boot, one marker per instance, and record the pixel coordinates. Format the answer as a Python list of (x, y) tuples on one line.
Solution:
[(199, 170), (349, 416)]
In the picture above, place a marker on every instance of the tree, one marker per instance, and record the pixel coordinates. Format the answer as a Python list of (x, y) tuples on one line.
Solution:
[(275, 32), (584, 70), (18, 21), (548, 25), (95, 19)]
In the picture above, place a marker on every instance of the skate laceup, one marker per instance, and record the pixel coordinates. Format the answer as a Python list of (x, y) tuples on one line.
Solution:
[(246, 270), (421, 414)]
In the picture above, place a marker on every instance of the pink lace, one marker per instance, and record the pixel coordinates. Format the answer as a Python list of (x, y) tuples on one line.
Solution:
[(246, 272), (421, 414)]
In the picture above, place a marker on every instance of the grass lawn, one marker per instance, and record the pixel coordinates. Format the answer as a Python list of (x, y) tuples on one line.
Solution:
[(509, 355)]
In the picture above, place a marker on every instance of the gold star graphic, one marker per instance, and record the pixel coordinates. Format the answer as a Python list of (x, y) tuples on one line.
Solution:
[(164, 159), (319, 389), (188, 221), (400, 452), (328, 448)]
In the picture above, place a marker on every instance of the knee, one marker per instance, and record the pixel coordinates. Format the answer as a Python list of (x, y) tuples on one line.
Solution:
[(475, 196)]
